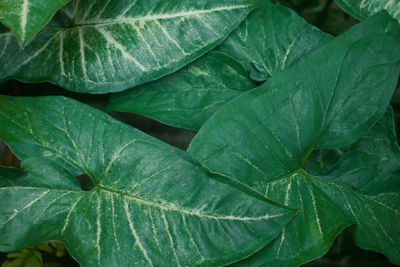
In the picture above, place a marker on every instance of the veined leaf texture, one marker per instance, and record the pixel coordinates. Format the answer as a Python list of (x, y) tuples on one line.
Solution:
[(151, 205), (275, 173), (109, 46), (370, 165), (190, 96), (327, 100), (25, 18), (362, 9)]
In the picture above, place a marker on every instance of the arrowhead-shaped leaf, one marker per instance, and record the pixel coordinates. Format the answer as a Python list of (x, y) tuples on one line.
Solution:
[(371, 165), (108, 46), (327, 100), (150, 205), (190, 96), (362, 9), (26, 18)]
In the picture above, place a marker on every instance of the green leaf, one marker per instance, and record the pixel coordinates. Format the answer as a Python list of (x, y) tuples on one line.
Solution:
[(371, 165), (362, 9), (190, 96), (327, 100), (272, 39), (109, 46), (151, 204), (26, 18), (329, 208)]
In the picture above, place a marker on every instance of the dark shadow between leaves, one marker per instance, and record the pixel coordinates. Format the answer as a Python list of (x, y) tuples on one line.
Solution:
[(85, 182)]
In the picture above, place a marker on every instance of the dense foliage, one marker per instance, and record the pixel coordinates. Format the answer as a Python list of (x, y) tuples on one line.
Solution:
[(295, 133)]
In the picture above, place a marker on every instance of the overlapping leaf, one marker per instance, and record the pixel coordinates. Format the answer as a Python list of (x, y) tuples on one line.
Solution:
[(271, 40), (27, 17), (151, 204), (109, 46), (325, 101), (362, 9), (371, 165), (190, 96)]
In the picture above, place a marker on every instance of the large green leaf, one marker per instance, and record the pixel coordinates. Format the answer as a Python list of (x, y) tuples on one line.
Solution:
[(25, 18), (371, 165), (327, 100), (108, 46), (362, 9), (189, 97), (150, 205)]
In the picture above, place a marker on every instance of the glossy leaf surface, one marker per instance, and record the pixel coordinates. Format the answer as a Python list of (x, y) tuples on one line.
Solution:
[(109, 46), (272, 39), (327, 100), (151, 205), (25, 18), (362, 9), (371, 165), (190, 96)]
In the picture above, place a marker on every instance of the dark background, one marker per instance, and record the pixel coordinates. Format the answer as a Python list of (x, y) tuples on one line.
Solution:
[(324, 14)]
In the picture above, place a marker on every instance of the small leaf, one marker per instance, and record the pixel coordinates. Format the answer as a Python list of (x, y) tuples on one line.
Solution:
[(26, 18), (362, 9), (327, 100), (102, 46), (190, 96), (371, 165), (151, 205)]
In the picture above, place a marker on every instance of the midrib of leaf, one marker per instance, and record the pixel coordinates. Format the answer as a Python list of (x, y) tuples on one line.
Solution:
[(303, 177), (98, 24), (327, 113), (124, 196), (361, 9), (153, 203), (326, 124), (371, 198), (305, 156), (179, 209), (256, 44), (24, 15), (155, 17), (76, 74), (268, 167), (307, 179), (117, 196)]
